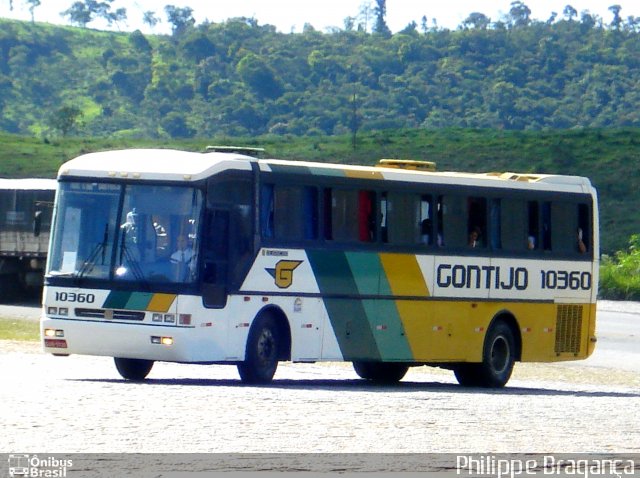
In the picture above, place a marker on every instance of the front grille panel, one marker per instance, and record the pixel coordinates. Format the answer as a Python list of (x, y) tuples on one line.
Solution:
[(568, 328), (110, 314)]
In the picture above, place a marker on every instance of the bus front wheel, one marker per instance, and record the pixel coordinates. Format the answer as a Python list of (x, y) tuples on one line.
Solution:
[(261, 356), (135, 370), (381, 372), (498, 358)]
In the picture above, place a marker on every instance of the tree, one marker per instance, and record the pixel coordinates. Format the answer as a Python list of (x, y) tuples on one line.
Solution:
[(364, 16), (476, 21), (65, 119), (181, 18), (617, 20), (78, 14), (423, 24), (120, 15), (259, 76), (381, 12), (176, 125), (349, 24), (83, 13), (33, 4), (570, 13), (519, 14), (150, 18)]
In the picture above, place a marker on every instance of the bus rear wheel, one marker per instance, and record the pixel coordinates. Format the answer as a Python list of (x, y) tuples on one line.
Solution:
[(135, 370), (261, 356), (381, 372), (498, 358)]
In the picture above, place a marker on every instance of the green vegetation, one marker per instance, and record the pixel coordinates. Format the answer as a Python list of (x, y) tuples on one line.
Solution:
[(16, 329), (607, 156), (239, 78), (512, 95), (620, 275)]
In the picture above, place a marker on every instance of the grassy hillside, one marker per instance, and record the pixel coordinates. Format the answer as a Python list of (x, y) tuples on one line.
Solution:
[(608, 157), (241, 78)]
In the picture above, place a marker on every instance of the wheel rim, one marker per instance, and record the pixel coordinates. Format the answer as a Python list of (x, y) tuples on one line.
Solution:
[(500, 355), (266, 347)]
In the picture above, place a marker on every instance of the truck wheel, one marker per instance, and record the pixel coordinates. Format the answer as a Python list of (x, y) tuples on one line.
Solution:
[(498, 358), (381, 372), (261, 356), (135, 370)]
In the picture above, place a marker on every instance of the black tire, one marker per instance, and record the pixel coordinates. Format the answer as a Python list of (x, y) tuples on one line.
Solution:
[(498, 358), (381, 372), (262, 353), (135, 370)]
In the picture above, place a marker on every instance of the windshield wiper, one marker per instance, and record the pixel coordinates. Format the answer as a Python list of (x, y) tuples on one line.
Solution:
[(127, 256), (87, 265)]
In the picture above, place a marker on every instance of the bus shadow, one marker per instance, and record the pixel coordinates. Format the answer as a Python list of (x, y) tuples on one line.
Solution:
[(358, 385)]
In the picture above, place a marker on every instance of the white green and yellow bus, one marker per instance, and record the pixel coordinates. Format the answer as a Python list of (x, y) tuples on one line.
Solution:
[(224, 258)]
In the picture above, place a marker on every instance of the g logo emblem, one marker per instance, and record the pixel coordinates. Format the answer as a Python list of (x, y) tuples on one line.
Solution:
[(283, 273)]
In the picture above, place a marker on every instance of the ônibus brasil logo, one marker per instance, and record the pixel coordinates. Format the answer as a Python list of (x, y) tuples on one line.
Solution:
[(21, 465)]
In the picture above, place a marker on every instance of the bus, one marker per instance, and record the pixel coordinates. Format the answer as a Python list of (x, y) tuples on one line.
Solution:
[(25, 218), (227, 258)]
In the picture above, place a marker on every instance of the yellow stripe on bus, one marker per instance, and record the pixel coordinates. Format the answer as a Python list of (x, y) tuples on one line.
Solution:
[(363, 174), (404, 275), (161, 302)]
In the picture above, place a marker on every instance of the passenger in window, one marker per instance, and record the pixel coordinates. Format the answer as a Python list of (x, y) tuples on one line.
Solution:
[(474, 237), (182, 260), (582, 247), (184, 254), (531, 242), (425, 231)]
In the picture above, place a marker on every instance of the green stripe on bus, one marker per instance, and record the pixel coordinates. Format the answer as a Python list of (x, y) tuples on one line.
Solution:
[(347, 316), (352, 329), (139, 301), (387, 329), (332, 272), (117, 300), (338, 173), (365, 269), (369, 329), (289, 169)]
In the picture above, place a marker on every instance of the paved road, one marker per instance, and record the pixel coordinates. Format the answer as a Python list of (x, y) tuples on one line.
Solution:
[(618, 332), (79, 404)]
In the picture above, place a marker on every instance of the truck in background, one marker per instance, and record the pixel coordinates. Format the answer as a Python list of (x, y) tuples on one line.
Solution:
[(25, 219)]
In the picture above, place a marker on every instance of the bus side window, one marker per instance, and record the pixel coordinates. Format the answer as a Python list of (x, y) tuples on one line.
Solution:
[(583, 234), (564, 225), (403, 223), (310, 212), (216, 259), (217, 246), (513, 229), (327, 211), (384, 217), (495, 224), (546, 226), (440, 237), (455, 221), (350, 215), (266, 210), (533, 225), (426, 219), (345, 216), (477, 222), (366, 216)]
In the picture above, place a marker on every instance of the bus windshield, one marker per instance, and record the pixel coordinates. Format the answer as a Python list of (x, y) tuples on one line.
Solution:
[(125, 232)]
